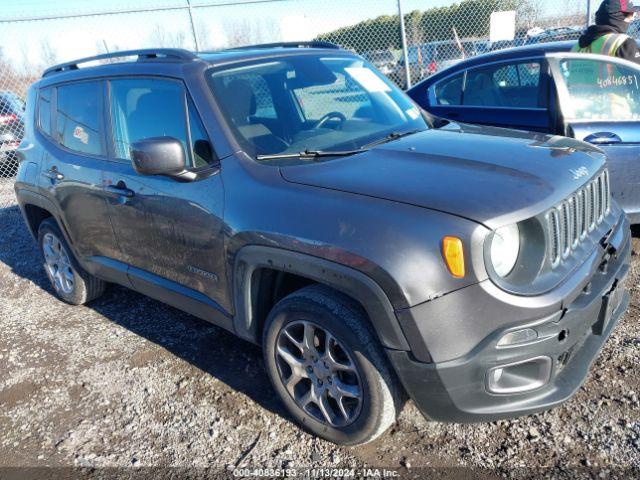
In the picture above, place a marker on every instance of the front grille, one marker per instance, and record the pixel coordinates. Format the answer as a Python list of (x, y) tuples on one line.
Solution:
[(572, 220)]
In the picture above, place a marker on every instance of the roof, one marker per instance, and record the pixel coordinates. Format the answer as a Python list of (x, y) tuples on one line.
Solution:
[(536, 49), (177, 55)]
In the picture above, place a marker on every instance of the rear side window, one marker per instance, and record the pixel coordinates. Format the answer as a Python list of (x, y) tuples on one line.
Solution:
[(149, 107), (44, 111), (449, 91), (78, 117), (515, 85)]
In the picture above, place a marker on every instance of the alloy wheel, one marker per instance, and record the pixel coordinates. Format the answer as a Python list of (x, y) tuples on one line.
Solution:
[(57, 264), (319, 373)]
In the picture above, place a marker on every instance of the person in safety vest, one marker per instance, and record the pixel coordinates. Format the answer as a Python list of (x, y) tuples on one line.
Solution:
[(609, 35)]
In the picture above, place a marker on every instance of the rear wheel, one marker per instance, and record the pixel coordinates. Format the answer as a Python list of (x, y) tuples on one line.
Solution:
[(328, 367), (70, 281)]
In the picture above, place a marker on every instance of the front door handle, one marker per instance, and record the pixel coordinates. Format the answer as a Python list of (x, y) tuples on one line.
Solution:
[(119, 190), (53, 174), (602, 138)]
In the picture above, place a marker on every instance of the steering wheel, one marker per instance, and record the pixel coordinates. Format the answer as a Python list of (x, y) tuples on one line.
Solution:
[(329, 116)]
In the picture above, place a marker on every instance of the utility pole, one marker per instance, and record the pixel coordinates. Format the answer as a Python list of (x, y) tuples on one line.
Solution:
[(193, 27), (403, 39)]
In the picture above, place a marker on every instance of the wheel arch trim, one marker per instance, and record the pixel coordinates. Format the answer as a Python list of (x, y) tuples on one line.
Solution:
[(344, 279), (28, 197)]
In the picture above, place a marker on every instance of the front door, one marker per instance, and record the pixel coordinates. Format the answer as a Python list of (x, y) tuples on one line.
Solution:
[(600, 102), (170, 232)]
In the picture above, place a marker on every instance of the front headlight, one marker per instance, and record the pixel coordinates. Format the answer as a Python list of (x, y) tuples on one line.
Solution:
[(505, 246)]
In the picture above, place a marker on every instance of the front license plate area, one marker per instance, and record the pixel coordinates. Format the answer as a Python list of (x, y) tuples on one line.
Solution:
[(610, 303)]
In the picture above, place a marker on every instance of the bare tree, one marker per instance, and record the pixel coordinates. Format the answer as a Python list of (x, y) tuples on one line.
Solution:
[(160, 37), (14, 79), (412, 25), (47, 53), (244, 32), (528, 12), (204, 35)]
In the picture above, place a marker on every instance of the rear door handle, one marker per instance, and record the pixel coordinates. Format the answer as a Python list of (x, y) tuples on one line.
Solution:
[(119, 190), (600, 138), (53, 174)]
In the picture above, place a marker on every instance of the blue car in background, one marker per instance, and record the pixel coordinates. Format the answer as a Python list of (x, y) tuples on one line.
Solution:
[(546, 88)]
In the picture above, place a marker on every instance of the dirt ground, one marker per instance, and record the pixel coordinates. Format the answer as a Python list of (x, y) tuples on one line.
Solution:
[(128, 381)]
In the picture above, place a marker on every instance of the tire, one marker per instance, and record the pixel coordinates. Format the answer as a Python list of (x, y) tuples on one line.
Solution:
[(69, 280), (355, 363)]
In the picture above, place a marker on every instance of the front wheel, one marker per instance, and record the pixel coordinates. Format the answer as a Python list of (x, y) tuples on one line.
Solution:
[(328, 367)]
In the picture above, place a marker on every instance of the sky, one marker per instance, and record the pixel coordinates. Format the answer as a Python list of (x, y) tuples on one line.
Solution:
[(69, 38)]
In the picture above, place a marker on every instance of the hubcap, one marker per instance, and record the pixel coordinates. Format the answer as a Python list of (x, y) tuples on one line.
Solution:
[(319, 373), (57, 264)]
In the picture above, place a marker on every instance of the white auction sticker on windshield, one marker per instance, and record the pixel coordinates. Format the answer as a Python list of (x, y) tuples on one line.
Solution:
[(413, 113), (368, 80)]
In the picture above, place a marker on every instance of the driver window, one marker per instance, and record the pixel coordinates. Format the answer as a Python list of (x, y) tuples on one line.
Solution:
[(150, 107), (600, 90)]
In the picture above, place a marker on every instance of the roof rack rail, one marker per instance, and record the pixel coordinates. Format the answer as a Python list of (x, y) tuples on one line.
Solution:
[(143, 55), (311, 44)]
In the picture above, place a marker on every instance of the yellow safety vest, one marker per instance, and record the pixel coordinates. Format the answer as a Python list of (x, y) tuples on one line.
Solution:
[(607, 44)]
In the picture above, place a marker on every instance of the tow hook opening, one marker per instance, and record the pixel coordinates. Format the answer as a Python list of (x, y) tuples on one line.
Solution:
[(563, 335)]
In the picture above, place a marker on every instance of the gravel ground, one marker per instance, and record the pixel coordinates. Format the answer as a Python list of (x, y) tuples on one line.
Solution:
[(128, 381), (7, 195)]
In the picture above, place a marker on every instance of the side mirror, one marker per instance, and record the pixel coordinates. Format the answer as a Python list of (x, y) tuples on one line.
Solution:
[(158, 156)]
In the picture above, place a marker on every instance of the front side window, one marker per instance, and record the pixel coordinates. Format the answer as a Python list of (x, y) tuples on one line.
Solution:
[(514, 85), (78, 117), (44, 111), (599, 90), (149, 107), (319, 104)]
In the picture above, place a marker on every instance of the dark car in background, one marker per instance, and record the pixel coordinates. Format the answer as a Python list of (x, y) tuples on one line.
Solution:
[(428, 58), (504, 44), (11, 131), (383, 60), (545, 88), (555, 35)]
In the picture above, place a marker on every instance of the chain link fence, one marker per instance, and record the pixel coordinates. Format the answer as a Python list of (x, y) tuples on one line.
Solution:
[(435, 34)]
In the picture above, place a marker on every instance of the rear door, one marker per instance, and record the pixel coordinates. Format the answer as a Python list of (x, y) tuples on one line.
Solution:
[(511, 94), (70, 117), (599, 98)]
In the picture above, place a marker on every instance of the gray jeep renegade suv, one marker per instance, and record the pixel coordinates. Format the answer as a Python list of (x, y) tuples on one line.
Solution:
[(294, 196)]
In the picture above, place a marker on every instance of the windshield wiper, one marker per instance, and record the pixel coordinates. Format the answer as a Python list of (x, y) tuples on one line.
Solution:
[(391, 137), (310, 154)]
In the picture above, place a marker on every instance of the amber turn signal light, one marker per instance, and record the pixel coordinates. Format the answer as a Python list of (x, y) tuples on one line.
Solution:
[(453, 254)]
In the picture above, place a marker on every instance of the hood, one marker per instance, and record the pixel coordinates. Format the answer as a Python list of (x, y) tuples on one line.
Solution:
[(490, 175)]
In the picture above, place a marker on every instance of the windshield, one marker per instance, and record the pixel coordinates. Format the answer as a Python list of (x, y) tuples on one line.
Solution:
[(310, 103)]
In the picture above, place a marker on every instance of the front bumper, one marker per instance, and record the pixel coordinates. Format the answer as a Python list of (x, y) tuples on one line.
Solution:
[(569, 340)]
